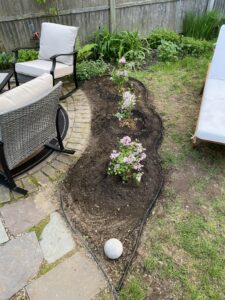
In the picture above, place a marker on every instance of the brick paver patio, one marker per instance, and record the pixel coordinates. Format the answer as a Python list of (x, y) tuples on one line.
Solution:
[(28, 225)]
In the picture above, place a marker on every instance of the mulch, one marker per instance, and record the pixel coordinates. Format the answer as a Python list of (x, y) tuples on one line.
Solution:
[(102, 206)]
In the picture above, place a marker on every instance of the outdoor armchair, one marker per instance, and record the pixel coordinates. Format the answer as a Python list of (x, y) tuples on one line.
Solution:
[(56, 55), (28, 121)]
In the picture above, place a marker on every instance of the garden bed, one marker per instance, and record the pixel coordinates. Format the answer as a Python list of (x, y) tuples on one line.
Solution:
[(102, 206)]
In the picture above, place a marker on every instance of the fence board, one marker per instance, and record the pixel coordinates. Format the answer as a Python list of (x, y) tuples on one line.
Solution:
[(89, 15), (219, 5)]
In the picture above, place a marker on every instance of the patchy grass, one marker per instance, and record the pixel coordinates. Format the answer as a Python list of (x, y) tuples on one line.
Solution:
[(182, 253), (39, 227), (133, 290)]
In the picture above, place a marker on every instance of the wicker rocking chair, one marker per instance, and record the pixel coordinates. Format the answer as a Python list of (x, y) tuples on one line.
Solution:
[(27, 127)]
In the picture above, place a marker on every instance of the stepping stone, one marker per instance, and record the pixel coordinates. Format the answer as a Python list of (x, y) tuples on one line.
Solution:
[(3, 235), (56, 239), (4, 194), (78, 277), (20, 260), (22, 215)]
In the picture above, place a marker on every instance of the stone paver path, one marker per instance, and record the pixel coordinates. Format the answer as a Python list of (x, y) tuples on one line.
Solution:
[(20, 260), (3, 235), (77, 278), (56, 239), (23, 258)]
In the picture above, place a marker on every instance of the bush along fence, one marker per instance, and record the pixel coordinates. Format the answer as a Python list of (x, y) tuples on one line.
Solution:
[(98, 57), (19, 19)]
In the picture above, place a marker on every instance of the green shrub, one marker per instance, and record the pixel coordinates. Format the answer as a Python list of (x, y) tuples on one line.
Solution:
[(5, 60), (193, 47), (26, 55), (168, 51), (86, 52), (107, 44), (203, 25), (89, 69), (158, 35), (132, 46), (171, 46), (112, 46)]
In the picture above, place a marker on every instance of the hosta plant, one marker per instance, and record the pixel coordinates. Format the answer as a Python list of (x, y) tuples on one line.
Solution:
[(126, 162), (126, 105)]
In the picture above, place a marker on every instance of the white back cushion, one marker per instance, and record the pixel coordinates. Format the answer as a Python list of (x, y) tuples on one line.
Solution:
[(57, 39), (217, 69), (25, 94)]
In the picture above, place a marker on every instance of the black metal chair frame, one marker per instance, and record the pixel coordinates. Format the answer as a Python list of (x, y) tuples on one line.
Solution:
[(6, 178), (52, 71)]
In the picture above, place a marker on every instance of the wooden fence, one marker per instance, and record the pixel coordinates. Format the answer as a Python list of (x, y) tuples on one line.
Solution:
[(18, 18), (219, 5)]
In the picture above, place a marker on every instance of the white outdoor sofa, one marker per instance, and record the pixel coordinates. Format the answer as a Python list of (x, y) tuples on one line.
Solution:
[(28, 121), (211, 122)]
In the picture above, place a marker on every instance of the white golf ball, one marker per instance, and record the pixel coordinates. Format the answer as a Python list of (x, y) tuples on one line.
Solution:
[(113, 248)]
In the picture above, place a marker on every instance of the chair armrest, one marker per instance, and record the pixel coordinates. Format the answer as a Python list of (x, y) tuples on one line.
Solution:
[(53, 58), (16, 51), (63, 54)]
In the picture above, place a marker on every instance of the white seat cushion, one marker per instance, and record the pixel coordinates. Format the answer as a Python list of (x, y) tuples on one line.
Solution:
[(38, 67), (211, 123), (57, 39), (25, 94)]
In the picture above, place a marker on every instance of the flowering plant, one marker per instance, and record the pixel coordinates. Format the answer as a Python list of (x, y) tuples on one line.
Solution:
[(126, 162), (120, 75), (126, 105)]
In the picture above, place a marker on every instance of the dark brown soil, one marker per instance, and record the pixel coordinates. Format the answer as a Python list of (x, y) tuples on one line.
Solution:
[(101, 206)]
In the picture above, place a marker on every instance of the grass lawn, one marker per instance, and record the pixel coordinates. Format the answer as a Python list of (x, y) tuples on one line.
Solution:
[(182, 253)]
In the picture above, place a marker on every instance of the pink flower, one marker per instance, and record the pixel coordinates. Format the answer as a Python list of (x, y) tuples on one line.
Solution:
[(129, 100), (126, 140), (114, 154), (129, 160), (122, 73), (122, 60), (138, 167), (143, 156)]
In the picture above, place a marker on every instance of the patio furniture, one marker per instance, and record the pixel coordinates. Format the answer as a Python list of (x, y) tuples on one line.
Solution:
[(28, 121), (5, 79), (57, 55), (211, 122)]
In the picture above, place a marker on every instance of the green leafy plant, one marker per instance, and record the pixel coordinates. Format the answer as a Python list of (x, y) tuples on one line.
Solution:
[(89, 69), (193, 47), (132, 47), (158, 35), (203, 25), (26, 55), (112, 46), (120, 74), (168, 51), (126, 105), (86, 52), (53, 10), (107, 44), (6, 60), (126, 162)]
